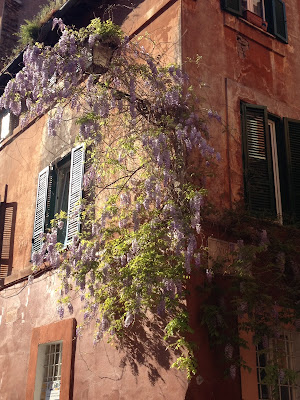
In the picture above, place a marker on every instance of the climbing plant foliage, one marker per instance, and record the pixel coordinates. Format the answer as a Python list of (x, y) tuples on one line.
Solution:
[(141, 235), (140, 122)]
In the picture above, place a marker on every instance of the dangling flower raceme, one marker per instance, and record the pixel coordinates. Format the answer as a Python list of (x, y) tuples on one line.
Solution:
[(232, 371), (60, 311), (228, 351)]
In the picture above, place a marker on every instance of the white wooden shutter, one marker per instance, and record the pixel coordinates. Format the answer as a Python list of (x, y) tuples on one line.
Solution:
[(40, 209), (75, 192)]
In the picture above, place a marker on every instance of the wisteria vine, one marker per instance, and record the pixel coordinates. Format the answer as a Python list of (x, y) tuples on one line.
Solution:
[(141, 122), (141, 220)]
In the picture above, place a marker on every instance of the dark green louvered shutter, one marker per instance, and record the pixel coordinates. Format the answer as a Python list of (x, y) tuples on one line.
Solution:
[(276, 18), (233, 6), (292, 129), (40, 209), (75, 192), (258, 170)]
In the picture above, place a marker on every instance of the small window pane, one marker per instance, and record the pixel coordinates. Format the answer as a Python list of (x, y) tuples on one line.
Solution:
[(5, 125), (52, 371), (281, 351), (257, 7), (285, 393), (264, 392)]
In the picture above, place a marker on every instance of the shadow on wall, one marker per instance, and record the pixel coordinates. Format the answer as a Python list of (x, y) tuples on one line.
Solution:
[(8, 212), (146, 347)]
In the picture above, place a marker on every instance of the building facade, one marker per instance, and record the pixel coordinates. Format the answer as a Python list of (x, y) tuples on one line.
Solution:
[(250, 76)]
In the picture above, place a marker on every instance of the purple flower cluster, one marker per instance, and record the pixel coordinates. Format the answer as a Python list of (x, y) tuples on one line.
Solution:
[(214, 114), (89, 177), (232, 371), (195, 206), (88, 129), (264, 241), (228, 351), (49, 75), (60, 311), (92, 39)]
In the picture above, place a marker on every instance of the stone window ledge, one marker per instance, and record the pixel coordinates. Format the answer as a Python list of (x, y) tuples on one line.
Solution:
[(254, 33)]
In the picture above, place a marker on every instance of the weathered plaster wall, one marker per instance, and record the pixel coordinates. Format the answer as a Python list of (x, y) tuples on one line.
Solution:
[(240, 62), (26, 153), (141, 369), (22, 156), (19, 167), (103, 371), (161, 22)]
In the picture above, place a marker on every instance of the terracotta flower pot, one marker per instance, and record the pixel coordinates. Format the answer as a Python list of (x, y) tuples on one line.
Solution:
[(255, 19)]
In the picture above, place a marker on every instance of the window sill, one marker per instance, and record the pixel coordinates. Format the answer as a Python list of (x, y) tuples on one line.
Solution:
[(253, 32)]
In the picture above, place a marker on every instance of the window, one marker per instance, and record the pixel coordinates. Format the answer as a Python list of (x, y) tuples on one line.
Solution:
[(59, 189), (271, 11), (271, 156), (281, 353), (255, 6), (51, 361), (5, 124), (48, 371)]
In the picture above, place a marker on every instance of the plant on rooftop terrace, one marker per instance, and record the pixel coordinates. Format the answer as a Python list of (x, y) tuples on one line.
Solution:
[(142, 237), (29, 31)]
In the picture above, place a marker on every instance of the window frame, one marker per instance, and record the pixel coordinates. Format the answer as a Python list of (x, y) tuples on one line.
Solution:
[(44, 360), (284, 175), (252, 196), (46, 198), (229, 6), (250, 7), (288, 338), (273, 21), (62, 331), (249, 380), (276, 174)]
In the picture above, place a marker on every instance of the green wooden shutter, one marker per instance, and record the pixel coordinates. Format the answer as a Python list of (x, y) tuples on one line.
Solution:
[(40, 209), (279, 20), (75, 192), (257, 157), (292, 129), (233, 6)]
